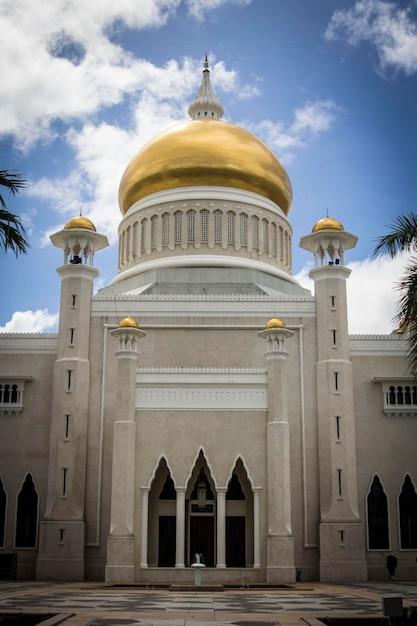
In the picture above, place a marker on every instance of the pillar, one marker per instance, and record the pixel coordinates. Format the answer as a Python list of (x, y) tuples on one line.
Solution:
[(144, 531), (256, 529), (221, 527), (120, 567), (280, 543), (180, 528)]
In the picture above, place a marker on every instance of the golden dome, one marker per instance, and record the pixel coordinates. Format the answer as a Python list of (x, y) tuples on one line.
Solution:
[(80, 222), (327, 223), (275, 323), (128, 322), (205, 152)]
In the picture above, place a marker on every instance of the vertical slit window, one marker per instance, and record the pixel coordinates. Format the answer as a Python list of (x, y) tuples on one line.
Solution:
[(408, 515), (255, 232), (27, 515), (69, 379), (204, 214), (73, 300), (336, 381), (338, 427), (191, 226), (218, 219), (64, 481), (61, 535), (72, 331), (243, 230), (339, 481), (333, 301), (165, 229), (154, 221), (334, 337), (230, 228), (342, 537), (377, 509), (178, 227), (67, 426)]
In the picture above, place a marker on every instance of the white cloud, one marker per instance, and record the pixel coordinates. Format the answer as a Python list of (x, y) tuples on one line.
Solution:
[(371, 291), (199, 8), (389, 28), (309, 120), (31, 322)]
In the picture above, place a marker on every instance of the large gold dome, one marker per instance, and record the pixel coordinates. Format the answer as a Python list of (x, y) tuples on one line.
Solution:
[(205, 152)]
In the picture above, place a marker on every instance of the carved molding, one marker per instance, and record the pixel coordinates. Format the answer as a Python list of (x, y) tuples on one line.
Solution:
[(28, 342)]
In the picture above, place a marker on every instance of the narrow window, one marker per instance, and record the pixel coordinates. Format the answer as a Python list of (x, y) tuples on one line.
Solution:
[(274, 240), (69, 376), (377, 506), (408, 515), (165, 229), (231, 228), (265, 236), (339, 481), (218, 219), (73, 299), (153, 231), (67, 426), (281, 244), (204, 214), (3, 499), (255, 232), (338, 427), (336, 381), (27, 515), (144, 228), (407, 395), (400, 395), (178, 227), (392, 398), (72, 330), (334, 337), (333, 302), (342, 537), (191, 226), (414, 395), (64, 480), (61, 535), (135, 239), (6, 394), (128, 243), (243, 230)]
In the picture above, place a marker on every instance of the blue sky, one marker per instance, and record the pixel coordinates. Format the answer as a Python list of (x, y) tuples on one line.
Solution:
[(330, 86)]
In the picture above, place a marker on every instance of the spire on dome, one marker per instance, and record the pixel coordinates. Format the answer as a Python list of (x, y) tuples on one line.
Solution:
[(206, 105)]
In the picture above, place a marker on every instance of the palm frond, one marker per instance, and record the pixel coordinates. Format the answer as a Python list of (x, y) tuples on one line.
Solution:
[(13, 181), (402, 238), (12, 232), (407, 311)]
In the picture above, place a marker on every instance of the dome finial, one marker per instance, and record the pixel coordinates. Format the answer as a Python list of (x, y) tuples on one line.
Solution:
[(206, 105)]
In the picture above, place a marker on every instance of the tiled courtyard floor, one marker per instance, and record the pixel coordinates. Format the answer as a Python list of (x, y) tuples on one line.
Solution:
[(94, 604)]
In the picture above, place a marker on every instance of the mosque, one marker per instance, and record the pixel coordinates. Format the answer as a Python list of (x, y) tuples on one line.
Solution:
[(204, 402)]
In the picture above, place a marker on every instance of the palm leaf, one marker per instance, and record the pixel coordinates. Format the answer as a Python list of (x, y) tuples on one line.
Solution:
[(13, 181), (12, 232), (402, 238)]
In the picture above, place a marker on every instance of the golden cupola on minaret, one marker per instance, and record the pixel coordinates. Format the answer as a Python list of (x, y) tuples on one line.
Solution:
[(205, 151)]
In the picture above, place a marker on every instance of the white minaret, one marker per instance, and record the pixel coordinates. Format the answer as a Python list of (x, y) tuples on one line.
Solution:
[(205, 104), (342, 536), (62, 529), (280, 542)]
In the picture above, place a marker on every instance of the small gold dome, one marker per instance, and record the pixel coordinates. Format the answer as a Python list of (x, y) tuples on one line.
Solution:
[(327, 223), (80, 222), (128, 322), (206, 153), (275, 323)]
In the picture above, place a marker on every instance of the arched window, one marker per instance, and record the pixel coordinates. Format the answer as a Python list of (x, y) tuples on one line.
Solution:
[(6, 394), (281, 244), (218, 223), (377, 505), (407, 395), (274, 239), (165, 229), (154, 222), (191, 226), (392, 398), (128, 243), (243, 230), (265, 236), (135, 239), (400, 395), (144, 231), (14, 395), (204, 214), (3, 499), (231, 228), (27, 515), (255, 232), (408, 515), (178, 227)]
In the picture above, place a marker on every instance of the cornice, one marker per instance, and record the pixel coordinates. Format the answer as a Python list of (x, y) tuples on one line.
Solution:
[(28, 342)]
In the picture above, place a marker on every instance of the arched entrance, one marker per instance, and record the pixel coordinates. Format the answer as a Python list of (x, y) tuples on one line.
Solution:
[(201, 514), (162, 518), (239, 519)]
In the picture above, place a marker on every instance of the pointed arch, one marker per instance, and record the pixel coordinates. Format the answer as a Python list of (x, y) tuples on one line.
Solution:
[(161, 458), (377, 516), (27, 511), (233, 466), (202, 452), (407, 506), (161, 516), (3, 513), (239, 517)]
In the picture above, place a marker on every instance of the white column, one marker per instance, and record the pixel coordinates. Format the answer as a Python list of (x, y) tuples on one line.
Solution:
[(179, 546), (256, 530), (221, 527), (144, 534)]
